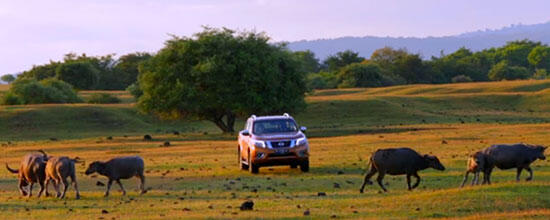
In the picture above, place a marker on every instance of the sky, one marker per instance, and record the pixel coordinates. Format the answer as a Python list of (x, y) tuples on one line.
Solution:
[(33, 32)]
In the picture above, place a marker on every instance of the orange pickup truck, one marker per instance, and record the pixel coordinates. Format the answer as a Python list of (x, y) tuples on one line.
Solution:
[(272, 141)]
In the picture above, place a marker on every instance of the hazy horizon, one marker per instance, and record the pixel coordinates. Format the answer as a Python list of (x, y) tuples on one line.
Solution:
[(35, 32)]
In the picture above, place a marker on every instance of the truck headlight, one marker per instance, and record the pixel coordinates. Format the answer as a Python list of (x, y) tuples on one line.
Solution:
[(301, 141), (258, 143)]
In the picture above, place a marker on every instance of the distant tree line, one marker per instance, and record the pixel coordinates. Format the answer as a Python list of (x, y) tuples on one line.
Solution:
[(89, 72), (388, 66)]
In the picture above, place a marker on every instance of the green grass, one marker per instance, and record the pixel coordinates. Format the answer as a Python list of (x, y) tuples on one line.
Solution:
[(198, 172)]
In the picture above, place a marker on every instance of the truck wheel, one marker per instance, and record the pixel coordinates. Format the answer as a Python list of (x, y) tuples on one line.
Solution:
[(294, 166), (254, 168), (304, 166)]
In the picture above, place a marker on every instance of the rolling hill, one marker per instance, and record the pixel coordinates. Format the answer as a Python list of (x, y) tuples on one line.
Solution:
[(430, 46)]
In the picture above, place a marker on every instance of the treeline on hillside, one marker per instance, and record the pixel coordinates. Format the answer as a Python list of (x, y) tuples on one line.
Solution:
[(388, 66), (385, 67), (56, 82)]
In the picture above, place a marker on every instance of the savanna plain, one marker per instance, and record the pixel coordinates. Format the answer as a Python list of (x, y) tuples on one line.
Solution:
[(197, 176)]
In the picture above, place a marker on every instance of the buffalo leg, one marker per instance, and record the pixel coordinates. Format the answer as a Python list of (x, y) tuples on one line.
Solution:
[(417, 180), (108, 187), (56, 184), (141, 186), (475, 181), (409, 181), (41, 188), (75, 185), (371, 173), (518, 173), (121, 187), (22, 187), (466, 179), (65, 187), (380, 178), (47, 183), (530, 177), (30, 189)]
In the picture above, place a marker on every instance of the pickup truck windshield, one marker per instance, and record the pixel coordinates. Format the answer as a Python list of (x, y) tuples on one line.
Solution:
[(274, 126)]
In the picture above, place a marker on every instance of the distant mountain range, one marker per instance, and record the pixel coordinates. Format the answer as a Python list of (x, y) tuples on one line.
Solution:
[(429, 46)]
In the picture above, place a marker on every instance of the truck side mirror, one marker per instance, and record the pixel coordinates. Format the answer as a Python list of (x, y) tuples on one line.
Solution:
[(303, 129), (245, 133)]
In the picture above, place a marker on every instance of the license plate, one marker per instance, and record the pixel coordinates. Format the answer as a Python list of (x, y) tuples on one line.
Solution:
[(281, 151)]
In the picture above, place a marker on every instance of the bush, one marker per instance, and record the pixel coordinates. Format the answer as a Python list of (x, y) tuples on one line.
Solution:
[(66, 90), (10, 99), (134, 90), (30, 91), (502, 71), (541, 74), (321, 80), (360, 75), (103, 98), (461, 79)]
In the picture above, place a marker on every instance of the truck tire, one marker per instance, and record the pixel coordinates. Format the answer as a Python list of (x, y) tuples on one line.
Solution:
[(304, 166)]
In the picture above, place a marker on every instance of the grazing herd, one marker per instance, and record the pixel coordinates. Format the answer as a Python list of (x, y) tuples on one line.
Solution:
[(405, 161), (41, 168)]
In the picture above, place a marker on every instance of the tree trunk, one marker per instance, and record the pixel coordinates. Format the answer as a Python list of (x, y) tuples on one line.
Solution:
[(227, 125)]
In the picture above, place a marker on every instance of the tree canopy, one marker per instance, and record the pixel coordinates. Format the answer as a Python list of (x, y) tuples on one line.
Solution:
[(219, 74), (8, 78)]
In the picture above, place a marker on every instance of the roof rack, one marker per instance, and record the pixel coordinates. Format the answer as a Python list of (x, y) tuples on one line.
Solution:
[(286, 115)]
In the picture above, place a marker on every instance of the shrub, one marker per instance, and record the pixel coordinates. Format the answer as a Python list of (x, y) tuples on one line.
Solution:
[(66, 90), (360, 75), (30, 91), (502, 71), (10, 99), (134, 90), (103, 98), (461, 78), (541, 74)]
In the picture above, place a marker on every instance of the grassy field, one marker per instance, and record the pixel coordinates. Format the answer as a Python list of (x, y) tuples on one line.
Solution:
[(197, 177)]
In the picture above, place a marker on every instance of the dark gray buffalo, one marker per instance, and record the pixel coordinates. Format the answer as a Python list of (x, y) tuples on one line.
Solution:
[(508, 156), (399, 161), (120, 168)]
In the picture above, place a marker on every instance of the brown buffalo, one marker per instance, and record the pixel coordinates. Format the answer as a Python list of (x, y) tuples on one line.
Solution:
[(31, 171), (477, 163), (58, 169)]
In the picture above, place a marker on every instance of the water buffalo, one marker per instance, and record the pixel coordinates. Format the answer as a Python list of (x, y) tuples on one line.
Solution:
[(399, 161), (477, 163), (120, 168), (59, 169), (31, 171), (508, 156)]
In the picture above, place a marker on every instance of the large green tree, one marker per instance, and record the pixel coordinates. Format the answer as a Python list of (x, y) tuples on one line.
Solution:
[(219, 74)]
